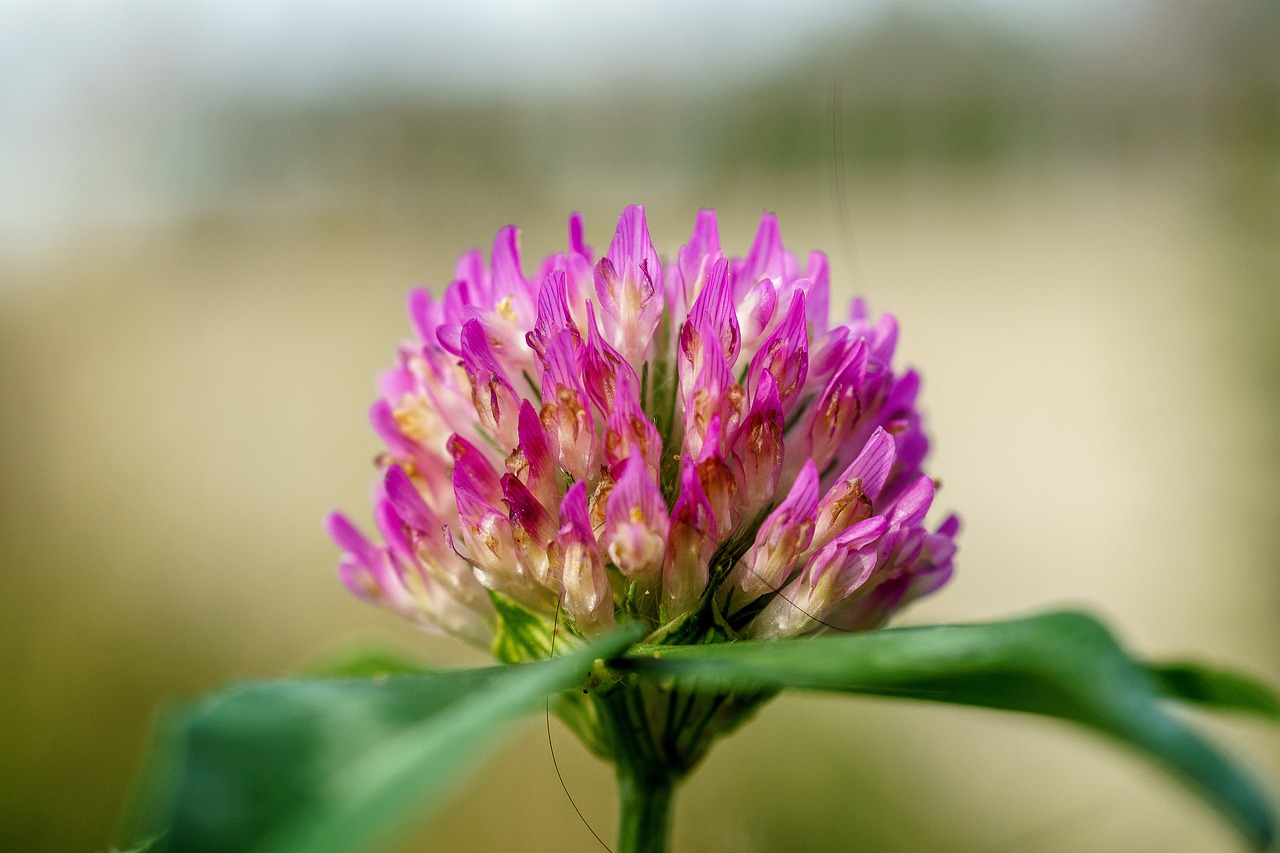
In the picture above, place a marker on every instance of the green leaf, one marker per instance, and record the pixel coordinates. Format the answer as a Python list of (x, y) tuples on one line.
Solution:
[(365, 662), (331, 765), (1063, 665), (1216, 689), (144, 847), (521, 634)]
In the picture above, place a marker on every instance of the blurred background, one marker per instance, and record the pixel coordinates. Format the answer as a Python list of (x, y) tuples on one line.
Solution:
[(210, 213)]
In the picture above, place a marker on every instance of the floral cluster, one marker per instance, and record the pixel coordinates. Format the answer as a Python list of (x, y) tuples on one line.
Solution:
[(619, 438)]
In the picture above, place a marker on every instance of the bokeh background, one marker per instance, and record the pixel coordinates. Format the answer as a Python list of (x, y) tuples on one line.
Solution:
[(210, 213)]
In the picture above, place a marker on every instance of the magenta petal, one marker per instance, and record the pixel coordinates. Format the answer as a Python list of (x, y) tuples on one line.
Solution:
[(705, 239), (755, 310), (508, 278), (553, 313), (383, 420), (574, 554), (527, 512), (766, 258), (477, 355), (713, 309), (408, 503), (534, 441), (629, 287), (397, 382), (562, 367), (423, 315), (635, 497), (950, 527), (912, 506), (802, 500), (691, 541), (785, 354), (496, 402), (884, 338), (852, 497), (838, 411), (819, 294), (636, 523), (576, 244), (566, 411), (535, 461), (692, 259), (605, 372), (708, 393), (355, 576), (574, 517), (692, 507), (781, 538), (391, 526), (349, 538), (864, 532), (629, 434), (873, 464), (758, 447), (718, 482), (632, 248), (472, 279), (472, 471)]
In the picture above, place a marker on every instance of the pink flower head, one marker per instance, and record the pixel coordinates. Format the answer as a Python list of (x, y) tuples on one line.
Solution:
[(614, 438)]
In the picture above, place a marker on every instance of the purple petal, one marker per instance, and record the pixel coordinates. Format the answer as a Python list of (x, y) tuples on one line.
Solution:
[(472, 280), (785, 354), (819, 293), (349, 538), (756, 310), (691, 540), (423, 314), (527, 512), (839, 407), (575, 520), (912, 506), (636, 523), (705, 239), (632, 249), (884, 338), (703, 248), (507, 278), (562, 367), (534, 461), (576, 244), (758, 447), (713, 309), (391, 526), (765, 259), (604, 371), (873, 464), (629, 434), (863, 533), (629, 287), (553, 314), (472, 471), (408, 502), (383, 420), (781, 537)]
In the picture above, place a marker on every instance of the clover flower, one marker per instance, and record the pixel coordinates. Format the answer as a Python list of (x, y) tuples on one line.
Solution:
[(616, 438)]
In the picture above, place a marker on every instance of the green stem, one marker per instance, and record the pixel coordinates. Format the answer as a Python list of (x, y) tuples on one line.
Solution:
[(644, 825)]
